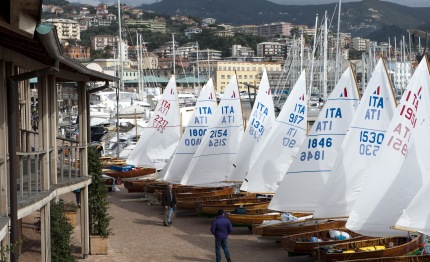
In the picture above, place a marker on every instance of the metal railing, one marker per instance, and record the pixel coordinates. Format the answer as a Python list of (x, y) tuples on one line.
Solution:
[(32, 161)]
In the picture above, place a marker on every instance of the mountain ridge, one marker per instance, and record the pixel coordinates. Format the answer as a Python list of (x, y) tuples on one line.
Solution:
[(361, 18)]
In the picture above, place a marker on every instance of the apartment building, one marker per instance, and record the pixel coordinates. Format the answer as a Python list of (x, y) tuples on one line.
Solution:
[(66, 28), (275, 29), (272, 50), (359, 44), (248, 73), (100, 42), (155, 25), (78, 52)]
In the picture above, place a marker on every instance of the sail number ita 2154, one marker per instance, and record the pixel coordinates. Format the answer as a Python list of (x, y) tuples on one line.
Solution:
[(319, 145), (217, 137)]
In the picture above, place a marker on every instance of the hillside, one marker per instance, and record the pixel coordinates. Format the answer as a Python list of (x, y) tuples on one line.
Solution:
[(360, 18)]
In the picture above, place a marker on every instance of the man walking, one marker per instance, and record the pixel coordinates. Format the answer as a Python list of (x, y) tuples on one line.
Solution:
[(168, 201), (220, 228)]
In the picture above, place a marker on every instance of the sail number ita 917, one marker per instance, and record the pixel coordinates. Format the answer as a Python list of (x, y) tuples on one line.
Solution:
[(217, 137)]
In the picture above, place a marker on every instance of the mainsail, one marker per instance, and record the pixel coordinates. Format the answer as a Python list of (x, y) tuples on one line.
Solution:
[(360, 146), (302, 186), (193, 134), (212, 161), (259, 124), (279, 149), (402, 166), (160, 138)]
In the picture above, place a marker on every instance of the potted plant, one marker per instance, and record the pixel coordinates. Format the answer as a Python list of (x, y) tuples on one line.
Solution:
[(71, 212), (98, 205)]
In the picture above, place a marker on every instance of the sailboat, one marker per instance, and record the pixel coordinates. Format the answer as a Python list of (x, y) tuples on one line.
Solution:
[(402, 165), (211, 163), (310, 168), (193, 134), (360, 146), (280, 148), (258, 127), (302, 186), (161, 137)]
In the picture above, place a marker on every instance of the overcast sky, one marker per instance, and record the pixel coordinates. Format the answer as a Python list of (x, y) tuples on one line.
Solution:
[(413, 3)]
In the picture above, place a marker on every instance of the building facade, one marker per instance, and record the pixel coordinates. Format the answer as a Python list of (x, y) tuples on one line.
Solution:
[(66, 28)]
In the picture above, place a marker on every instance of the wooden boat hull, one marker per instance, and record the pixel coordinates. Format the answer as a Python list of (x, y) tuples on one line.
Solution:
[(245, 220), (120, 176), (212, 210), (295, 227), (411, 258), (183, 192), (301, 244), (190, 202), (403, 247)]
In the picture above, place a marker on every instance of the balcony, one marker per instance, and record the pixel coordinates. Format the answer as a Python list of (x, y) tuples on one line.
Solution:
[(30, 181)]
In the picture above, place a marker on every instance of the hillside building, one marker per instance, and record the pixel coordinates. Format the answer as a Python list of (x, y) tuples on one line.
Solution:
[(66, 28)]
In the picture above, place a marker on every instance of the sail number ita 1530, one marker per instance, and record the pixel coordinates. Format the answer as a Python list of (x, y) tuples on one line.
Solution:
[(369, 142)]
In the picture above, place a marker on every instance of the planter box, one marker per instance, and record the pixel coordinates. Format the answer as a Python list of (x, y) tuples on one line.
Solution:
[(72, 217), (99, 245)]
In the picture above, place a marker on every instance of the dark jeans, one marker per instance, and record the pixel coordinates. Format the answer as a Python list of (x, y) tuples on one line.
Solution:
[(78, 197), (221, 243)]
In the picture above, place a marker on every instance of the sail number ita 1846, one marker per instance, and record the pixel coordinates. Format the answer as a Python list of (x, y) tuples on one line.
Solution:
[(317, 154)]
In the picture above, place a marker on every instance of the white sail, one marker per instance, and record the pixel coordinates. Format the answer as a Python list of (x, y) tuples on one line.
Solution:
[(212, 161), (416, 216), (259, 124), (193, 134), (402, 166), (360, 146), (302, 186), (160, 138), (279, 149)]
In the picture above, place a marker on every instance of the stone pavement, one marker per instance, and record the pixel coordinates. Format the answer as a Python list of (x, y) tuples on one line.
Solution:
[(139, 235)]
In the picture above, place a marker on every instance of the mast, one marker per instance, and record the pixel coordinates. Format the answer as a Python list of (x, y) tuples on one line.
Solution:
[(174, 56), (198, 68), (301, 51), (338, 64), (137, 49), (120, 78), (325, 58), (311, 82)]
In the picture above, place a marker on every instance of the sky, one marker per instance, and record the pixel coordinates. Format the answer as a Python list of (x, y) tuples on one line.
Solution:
[(412, 3)]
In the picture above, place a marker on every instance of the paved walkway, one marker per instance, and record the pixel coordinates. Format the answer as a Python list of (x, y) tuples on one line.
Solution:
[(139, 235)]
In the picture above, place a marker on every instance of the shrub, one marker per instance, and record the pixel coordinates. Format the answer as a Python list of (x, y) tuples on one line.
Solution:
[(97, 196)]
